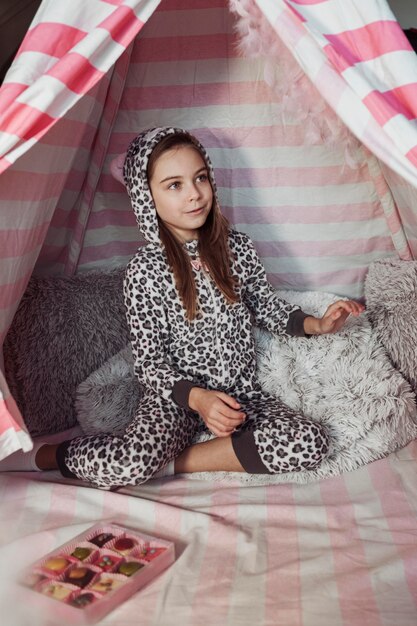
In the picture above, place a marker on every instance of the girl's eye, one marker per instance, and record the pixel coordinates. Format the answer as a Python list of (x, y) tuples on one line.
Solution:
[(175, 185), (202, 178)]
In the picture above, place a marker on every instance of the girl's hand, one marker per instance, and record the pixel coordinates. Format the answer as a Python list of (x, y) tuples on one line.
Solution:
[(219, 411), (334, 317)]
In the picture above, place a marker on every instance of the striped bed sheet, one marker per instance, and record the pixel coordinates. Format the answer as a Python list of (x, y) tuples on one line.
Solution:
[(341, 552)]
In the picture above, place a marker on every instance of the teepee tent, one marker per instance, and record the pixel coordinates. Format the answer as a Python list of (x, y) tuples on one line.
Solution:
[(307, 107)]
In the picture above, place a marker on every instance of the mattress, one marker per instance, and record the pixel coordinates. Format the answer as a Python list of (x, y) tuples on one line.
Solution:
[(339, 552)]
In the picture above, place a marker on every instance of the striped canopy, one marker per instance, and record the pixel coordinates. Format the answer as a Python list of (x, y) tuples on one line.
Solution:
[(318, 166)]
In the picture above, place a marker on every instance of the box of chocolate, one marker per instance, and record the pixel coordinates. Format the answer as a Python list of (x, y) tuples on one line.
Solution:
[(84, 579)]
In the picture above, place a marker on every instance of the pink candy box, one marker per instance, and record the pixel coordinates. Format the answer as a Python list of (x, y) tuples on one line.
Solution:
[(77, 591)]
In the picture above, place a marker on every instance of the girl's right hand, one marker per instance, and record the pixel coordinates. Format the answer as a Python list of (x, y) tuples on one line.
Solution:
[(219, 411)]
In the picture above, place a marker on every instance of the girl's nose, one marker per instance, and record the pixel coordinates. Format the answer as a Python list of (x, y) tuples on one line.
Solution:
[(194, 192)]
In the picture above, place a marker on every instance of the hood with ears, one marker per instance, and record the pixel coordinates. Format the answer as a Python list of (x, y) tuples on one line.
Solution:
[(136, 180)]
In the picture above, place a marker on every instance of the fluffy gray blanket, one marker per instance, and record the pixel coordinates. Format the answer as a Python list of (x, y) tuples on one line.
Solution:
[(346, 381)]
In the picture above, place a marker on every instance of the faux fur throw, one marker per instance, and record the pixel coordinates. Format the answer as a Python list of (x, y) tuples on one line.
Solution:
[(391, 296), (346, 381)]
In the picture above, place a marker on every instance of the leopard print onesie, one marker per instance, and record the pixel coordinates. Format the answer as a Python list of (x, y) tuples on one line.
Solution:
[(214, 351)]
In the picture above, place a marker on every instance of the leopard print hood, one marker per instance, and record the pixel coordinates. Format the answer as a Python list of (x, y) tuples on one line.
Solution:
[(136, 181)]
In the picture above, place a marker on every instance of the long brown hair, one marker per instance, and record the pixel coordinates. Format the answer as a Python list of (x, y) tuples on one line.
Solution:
[(213, 245)]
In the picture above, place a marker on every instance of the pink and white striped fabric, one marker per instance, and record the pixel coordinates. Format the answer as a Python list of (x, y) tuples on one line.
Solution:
[(83, 85), (341, 552)]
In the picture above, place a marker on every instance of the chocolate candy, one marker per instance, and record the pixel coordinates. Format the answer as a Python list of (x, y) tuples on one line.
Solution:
[(124, 545), (84, 599), (107, 562), (56, 590), (56, 564), (148, 553), (101, 539), (129, 568), (81, 553), (107, 583), (79, 576)]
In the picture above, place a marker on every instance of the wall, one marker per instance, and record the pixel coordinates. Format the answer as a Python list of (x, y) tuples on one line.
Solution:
[(405, 11)]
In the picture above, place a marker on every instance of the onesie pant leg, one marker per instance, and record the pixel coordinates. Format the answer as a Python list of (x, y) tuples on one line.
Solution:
[(158, 434), (275, 439)]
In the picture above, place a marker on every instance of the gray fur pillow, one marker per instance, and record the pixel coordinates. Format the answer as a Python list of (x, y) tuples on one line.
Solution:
[(64, 328), (391, 300)]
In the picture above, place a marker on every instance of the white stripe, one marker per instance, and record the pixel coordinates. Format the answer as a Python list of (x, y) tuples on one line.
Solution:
[(405, 131), (339, 16), (251, 558), (382, 557), (14, 268), (100, 236), (316, 195), (277, 156), (393, 69), (208, 71), (78, 13), (315, 232), (322, 264), (319, 595), (213, 116), (28, 66)]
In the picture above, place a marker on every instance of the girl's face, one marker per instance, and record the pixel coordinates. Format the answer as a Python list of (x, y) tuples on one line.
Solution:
[(181, 191)]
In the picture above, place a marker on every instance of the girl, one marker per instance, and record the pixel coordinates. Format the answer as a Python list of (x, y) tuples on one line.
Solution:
[(192, 295)]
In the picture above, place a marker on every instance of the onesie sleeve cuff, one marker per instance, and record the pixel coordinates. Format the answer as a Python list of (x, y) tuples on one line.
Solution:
[(181, 392), (295, 324)]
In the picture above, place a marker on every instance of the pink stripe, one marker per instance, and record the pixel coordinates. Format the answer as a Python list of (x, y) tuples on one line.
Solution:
[(400, 518), (15, 243), (123, 25), (51, 38), (8, 94), (217, 572), (62, 508), (68, 133), (401, 100), (283, 578), (31, 186), (64, 218), (290, 214), (352, 571), (25, 121), (336, 58), (192, 48), (76, 73), (370, 41), (182, 96), (115, 2), (53, 255), (175, 5)]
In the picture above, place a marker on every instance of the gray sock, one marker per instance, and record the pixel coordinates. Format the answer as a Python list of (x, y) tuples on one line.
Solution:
[(22, 461)]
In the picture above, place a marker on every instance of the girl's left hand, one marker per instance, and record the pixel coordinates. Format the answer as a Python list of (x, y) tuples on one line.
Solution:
[(334, 317)]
